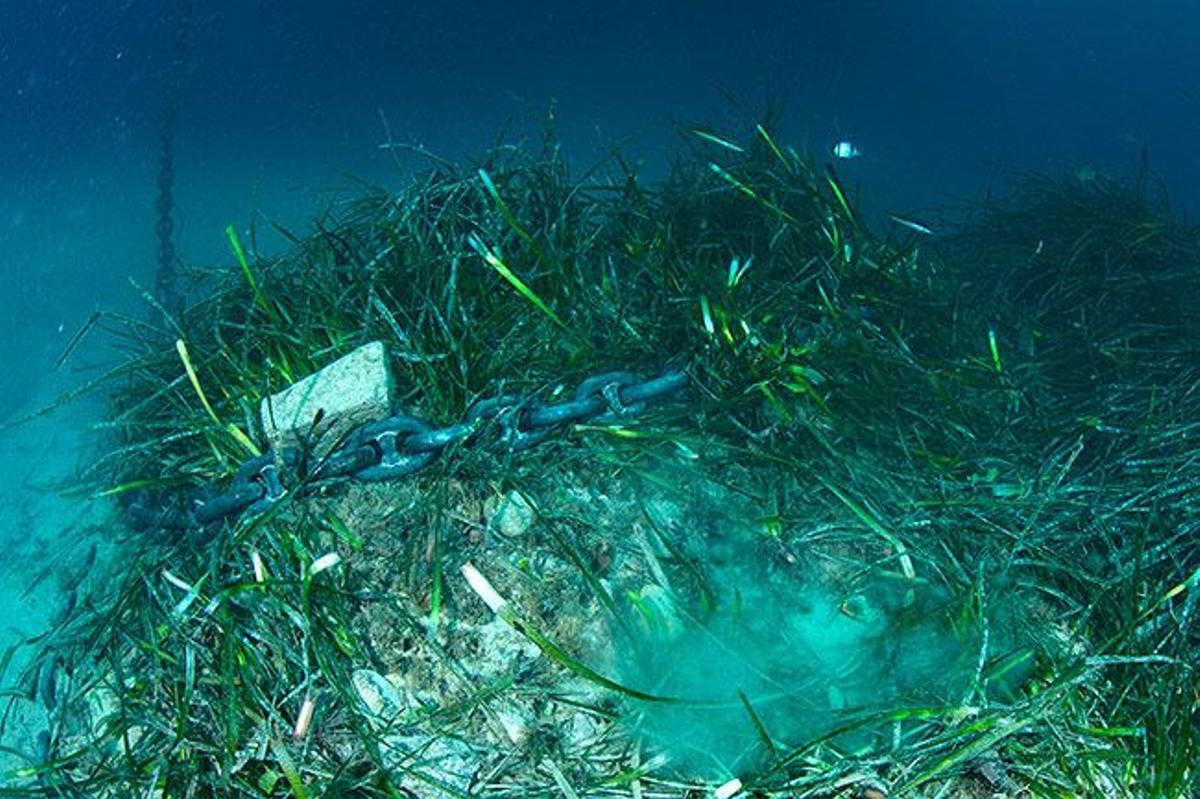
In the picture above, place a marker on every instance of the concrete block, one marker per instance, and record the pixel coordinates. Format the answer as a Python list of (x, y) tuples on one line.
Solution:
[(353, 390)]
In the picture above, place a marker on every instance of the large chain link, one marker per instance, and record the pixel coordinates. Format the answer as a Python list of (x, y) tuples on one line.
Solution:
[(400, 445)]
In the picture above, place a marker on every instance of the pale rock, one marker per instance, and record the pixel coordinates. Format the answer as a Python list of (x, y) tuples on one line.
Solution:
[(500, 647), (350, 392), (516, 722), (380, 696), (510, 515), (581, 730)]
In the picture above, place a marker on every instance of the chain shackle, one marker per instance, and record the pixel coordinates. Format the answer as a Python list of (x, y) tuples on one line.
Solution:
[(609, 387), (391, 460), (511, 413)]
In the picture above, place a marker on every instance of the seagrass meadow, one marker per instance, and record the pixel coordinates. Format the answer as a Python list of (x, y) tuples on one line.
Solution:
[(923, 523)]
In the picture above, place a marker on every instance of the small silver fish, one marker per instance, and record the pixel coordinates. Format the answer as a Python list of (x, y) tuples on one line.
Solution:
[(845, 149)]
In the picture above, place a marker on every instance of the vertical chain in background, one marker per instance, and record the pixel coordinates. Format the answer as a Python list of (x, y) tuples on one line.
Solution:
[(165, 278)]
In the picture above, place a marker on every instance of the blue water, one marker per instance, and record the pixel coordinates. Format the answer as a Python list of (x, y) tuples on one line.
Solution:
[(280, 103)]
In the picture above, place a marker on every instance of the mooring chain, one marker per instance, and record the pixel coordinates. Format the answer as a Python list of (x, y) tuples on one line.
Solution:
[(400, 445)]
